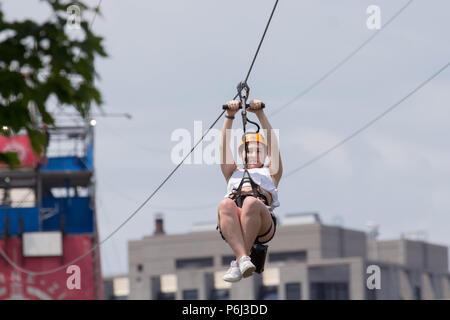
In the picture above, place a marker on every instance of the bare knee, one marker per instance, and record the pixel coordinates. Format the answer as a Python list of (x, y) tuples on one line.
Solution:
[(227, 207), (251, 203), (251, 206)]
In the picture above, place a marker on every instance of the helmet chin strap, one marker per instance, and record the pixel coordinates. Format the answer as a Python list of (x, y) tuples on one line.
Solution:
[(261, 166)]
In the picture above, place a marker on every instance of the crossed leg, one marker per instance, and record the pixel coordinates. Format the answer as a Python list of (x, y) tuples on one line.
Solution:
[(241, 226)]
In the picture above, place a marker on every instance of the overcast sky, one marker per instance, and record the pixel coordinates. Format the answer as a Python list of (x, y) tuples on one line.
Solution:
[(175, 62)]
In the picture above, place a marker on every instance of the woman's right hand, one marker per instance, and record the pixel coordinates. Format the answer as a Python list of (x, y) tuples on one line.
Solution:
[(233, 107)]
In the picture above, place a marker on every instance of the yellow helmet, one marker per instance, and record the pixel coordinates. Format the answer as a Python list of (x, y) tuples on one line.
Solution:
[(253, 137)]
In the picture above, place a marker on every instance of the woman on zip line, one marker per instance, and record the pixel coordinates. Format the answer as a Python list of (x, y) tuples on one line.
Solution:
[(254, 221)]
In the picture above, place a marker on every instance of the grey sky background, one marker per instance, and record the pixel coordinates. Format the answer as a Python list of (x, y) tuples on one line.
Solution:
[(175, 62)]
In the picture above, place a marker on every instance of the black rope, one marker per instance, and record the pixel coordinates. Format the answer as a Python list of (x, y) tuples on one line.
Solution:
[(2, 253), (262, 39), (342, 62), (368, 124)]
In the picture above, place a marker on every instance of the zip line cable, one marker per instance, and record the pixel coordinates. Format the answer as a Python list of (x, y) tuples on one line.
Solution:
[(105, 213), (36, 273), (117, 229), (260, 42), (3, 253), (96, 11), (156, 207), (314, 84), (368, 124), (341, 63)]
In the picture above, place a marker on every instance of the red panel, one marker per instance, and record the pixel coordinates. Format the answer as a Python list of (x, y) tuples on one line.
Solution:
[(59, 285), (20, 144)]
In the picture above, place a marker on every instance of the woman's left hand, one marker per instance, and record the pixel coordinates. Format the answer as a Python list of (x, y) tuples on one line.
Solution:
[(255, 106)]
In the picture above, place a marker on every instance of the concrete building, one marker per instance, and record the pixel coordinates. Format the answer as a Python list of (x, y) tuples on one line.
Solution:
[(306, 260)]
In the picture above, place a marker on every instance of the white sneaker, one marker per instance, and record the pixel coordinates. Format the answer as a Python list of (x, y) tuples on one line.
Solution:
[(233, 274), (246, 266)]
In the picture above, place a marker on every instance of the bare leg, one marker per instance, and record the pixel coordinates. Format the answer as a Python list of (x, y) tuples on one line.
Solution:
[(255, 220), (230, 226)]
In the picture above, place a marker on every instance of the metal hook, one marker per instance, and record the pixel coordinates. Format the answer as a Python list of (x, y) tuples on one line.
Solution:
[(241, 87)]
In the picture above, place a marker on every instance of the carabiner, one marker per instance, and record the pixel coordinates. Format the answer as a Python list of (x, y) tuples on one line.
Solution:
[(243, 98), (241, 87)]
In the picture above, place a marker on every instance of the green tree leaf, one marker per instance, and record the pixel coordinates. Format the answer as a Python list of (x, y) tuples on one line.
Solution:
[(45, 48)]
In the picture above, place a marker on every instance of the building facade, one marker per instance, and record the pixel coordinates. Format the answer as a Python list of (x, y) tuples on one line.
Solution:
[(306, 260), (48, 217)]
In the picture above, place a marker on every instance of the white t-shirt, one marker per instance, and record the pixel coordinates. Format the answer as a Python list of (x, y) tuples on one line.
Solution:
[(261, 176)]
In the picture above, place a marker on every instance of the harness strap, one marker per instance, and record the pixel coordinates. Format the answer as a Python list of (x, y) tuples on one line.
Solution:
[(256, 190), (274, 220), (267, 232)]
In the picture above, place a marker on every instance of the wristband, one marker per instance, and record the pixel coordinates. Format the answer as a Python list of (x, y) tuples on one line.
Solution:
[(229, 117)]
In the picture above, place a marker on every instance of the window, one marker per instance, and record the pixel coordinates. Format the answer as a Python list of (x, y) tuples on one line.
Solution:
[(371, 294), (329, 291), (271, 277), (139, 267), (226, 260), (163, 287), (166, 296), (194, 263), (287, 256), (293, 291), (191, 294), (220, 294), (168, 283), (268, 293), (417, 293)]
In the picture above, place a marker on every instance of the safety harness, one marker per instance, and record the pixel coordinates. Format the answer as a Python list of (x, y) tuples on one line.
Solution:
[(237, 195), (259, 250)]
